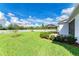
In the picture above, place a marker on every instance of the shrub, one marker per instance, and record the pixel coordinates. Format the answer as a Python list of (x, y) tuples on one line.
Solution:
[(51, 37), (71, 39), (67, 39), (59, 38), (45, 35)]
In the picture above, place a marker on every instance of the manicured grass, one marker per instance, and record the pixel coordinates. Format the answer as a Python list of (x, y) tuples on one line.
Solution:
[(30, 44)]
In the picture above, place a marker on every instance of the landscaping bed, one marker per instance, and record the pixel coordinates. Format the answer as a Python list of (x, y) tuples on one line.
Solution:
[(70, 39)]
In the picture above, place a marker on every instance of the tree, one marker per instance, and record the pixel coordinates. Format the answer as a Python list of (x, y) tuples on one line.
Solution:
[(1, 27), (10, 27), (13, 27)]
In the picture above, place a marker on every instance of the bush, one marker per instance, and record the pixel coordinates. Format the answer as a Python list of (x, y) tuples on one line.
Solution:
[(59, 38), (67, 39), (71, 39), (45, 35), (51, 37)]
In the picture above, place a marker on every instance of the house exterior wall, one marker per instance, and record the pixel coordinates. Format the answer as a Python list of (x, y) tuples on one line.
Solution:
[(63, 29), (77, 28)]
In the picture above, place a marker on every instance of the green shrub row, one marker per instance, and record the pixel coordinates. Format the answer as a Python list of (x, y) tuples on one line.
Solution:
[(46, 35), (70, 39)]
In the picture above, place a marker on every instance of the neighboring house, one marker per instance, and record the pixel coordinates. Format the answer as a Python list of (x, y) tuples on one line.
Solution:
[(51, 25), (71, 26)]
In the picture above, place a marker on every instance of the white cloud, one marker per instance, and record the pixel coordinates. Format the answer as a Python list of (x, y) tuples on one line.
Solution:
[(30, 16), (65, 13), (11, 14), (7, 23), (67, 10), (62, 17), (25, 21), (30, 21), (41, 21), (14, 19), (34, 25), (2, 17), (49, 19)]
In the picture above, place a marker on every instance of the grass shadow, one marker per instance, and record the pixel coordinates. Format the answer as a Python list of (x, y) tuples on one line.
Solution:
[(72, 49)]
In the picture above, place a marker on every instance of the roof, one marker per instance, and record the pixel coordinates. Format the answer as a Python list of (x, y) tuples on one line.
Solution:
[(63, 21), (74, 13)]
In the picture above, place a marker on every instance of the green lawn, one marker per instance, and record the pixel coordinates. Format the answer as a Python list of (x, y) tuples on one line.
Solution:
[(30, 44)]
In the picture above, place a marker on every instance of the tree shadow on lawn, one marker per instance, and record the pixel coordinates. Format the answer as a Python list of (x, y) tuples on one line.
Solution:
[(72, 49)]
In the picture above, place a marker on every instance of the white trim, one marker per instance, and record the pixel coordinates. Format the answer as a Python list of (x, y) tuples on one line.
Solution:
[(72, 19)]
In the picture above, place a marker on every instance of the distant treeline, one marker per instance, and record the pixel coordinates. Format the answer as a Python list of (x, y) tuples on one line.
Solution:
[(15, 26)]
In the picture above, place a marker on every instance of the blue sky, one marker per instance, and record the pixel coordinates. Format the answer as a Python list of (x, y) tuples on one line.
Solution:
[(36, 11)]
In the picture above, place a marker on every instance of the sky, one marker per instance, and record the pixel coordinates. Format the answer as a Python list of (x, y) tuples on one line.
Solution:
[(35, 14)]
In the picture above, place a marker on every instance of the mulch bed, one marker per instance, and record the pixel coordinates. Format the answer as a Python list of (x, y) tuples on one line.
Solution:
[(77, 45)]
